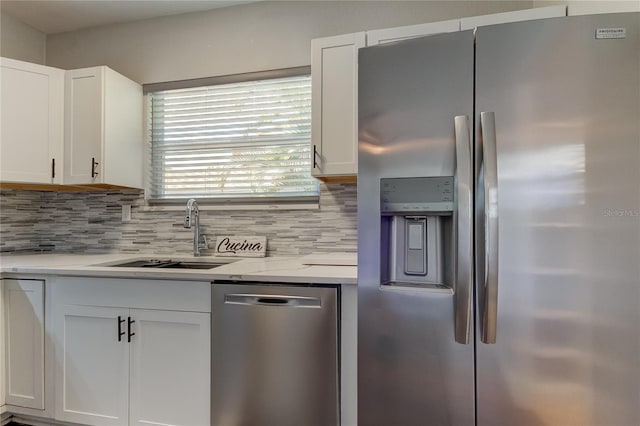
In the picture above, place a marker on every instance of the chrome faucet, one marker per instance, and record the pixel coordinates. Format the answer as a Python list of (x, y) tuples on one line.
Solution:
[(193, 215)]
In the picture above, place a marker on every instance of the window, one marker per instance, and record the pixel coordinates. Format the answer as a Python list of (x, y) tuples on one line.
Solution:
[(237, 141)]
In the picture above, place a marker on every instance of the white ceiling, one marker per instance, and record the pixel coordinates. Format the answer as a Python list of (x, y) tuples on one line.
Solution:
[(55, 16)]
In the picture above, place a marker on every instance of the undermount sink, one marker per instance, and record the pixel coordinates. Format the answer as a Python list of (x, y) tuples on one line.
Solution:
[(167, 263), (193, 265)]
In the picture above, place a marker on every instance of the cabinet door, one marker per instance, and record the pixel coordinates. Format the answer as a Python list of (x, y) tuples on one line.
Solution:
[(390, 35), (170, 368), (334, 105), (24, 331), (84, 113), (515, 16), (2, 346), (32, 122), (123, 134), (92, 365)]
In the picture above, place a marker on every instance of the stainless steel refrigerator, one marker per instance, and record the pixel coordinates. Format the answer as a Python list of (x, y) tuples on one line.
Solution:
[(499, 226)]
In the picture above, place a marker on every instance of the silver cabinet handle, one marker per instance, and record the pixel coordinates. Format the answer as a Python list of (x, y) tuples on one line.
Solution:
[(489, 154), (464, 251), (272, 300)]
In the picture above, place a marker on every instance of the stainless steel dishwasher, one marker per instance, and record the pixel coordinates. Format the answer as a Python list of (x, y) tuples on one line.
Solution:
[(274, 355)]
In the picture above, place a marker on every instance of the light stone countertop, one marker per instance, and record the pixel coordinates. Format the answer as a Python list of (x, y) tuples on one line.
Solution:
[(293, 269)]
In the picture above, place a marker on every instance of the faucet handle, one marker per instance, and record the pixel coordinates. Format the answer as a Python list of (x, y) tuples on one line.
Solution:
[(205, 243)]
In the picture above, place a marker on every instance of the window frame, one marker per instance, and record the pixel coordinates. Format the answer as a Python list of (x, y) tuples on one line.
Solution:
[(244, 202)]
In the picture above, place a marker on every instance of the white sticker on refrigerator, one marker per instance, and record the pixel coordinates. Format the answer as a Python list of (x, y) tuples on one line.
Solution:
[(605, 33)]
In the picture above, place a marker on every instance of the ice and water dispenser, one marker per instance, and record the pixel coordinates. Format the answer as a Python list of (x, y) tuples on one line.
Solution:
[(417, 231)]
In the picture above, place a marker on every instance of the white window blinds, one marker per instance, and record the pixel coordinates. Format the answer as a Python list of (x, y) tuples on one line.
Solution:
[(249, 139)]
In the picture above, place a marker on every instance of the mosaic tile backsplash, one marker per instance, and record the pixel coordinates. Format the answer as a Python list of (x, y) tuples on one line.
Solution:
[(91, 222)]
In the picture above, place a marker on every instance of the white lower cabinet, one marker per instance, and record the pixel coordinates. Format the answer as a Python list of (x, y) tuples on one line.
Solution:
[(169, 378), (24, 343), (128, 366), (2, 381), (103, 139), (92, 383)]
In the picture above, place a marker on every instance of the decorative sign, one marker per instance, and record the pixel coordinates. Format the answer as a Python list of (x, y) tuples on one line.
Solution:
[(605, 33), (241, 246)]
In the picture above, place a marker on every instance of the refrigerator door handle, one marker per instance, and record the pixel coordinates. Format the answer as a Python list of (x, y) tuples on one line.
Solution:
[(464, 251), (489, 155)]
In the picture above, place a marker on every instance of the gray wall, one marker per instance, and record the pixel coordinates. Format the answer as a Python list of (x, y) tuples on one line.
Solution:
[(20, 41), (253, 37)]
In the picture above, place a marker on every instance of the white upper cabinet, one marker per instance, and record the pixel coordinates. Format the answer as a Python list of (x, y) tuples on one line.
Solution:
[(334, 93), (31, 122), (577, 7), (103, 129), (518, 15), (390, 35), (334, 75), (334, 106), (79, 127)]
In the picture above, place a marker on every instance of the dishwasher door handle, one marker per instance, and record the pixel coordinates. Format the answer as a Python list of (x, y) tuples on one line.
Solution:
[(272, 300)]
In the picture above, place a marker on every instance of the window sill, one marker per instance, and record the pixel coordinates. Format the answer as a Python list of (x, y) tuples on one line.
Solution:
[(229, 207)]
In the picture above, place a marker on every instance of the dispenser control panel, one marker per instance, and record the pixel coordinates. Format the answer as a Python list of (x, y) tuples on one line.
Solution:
[(420, 194)]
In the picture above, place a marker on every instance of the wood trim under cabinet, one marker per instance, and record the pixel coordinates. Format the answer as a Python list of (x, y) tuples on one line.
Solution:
[(60, 188), (338, 179)]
